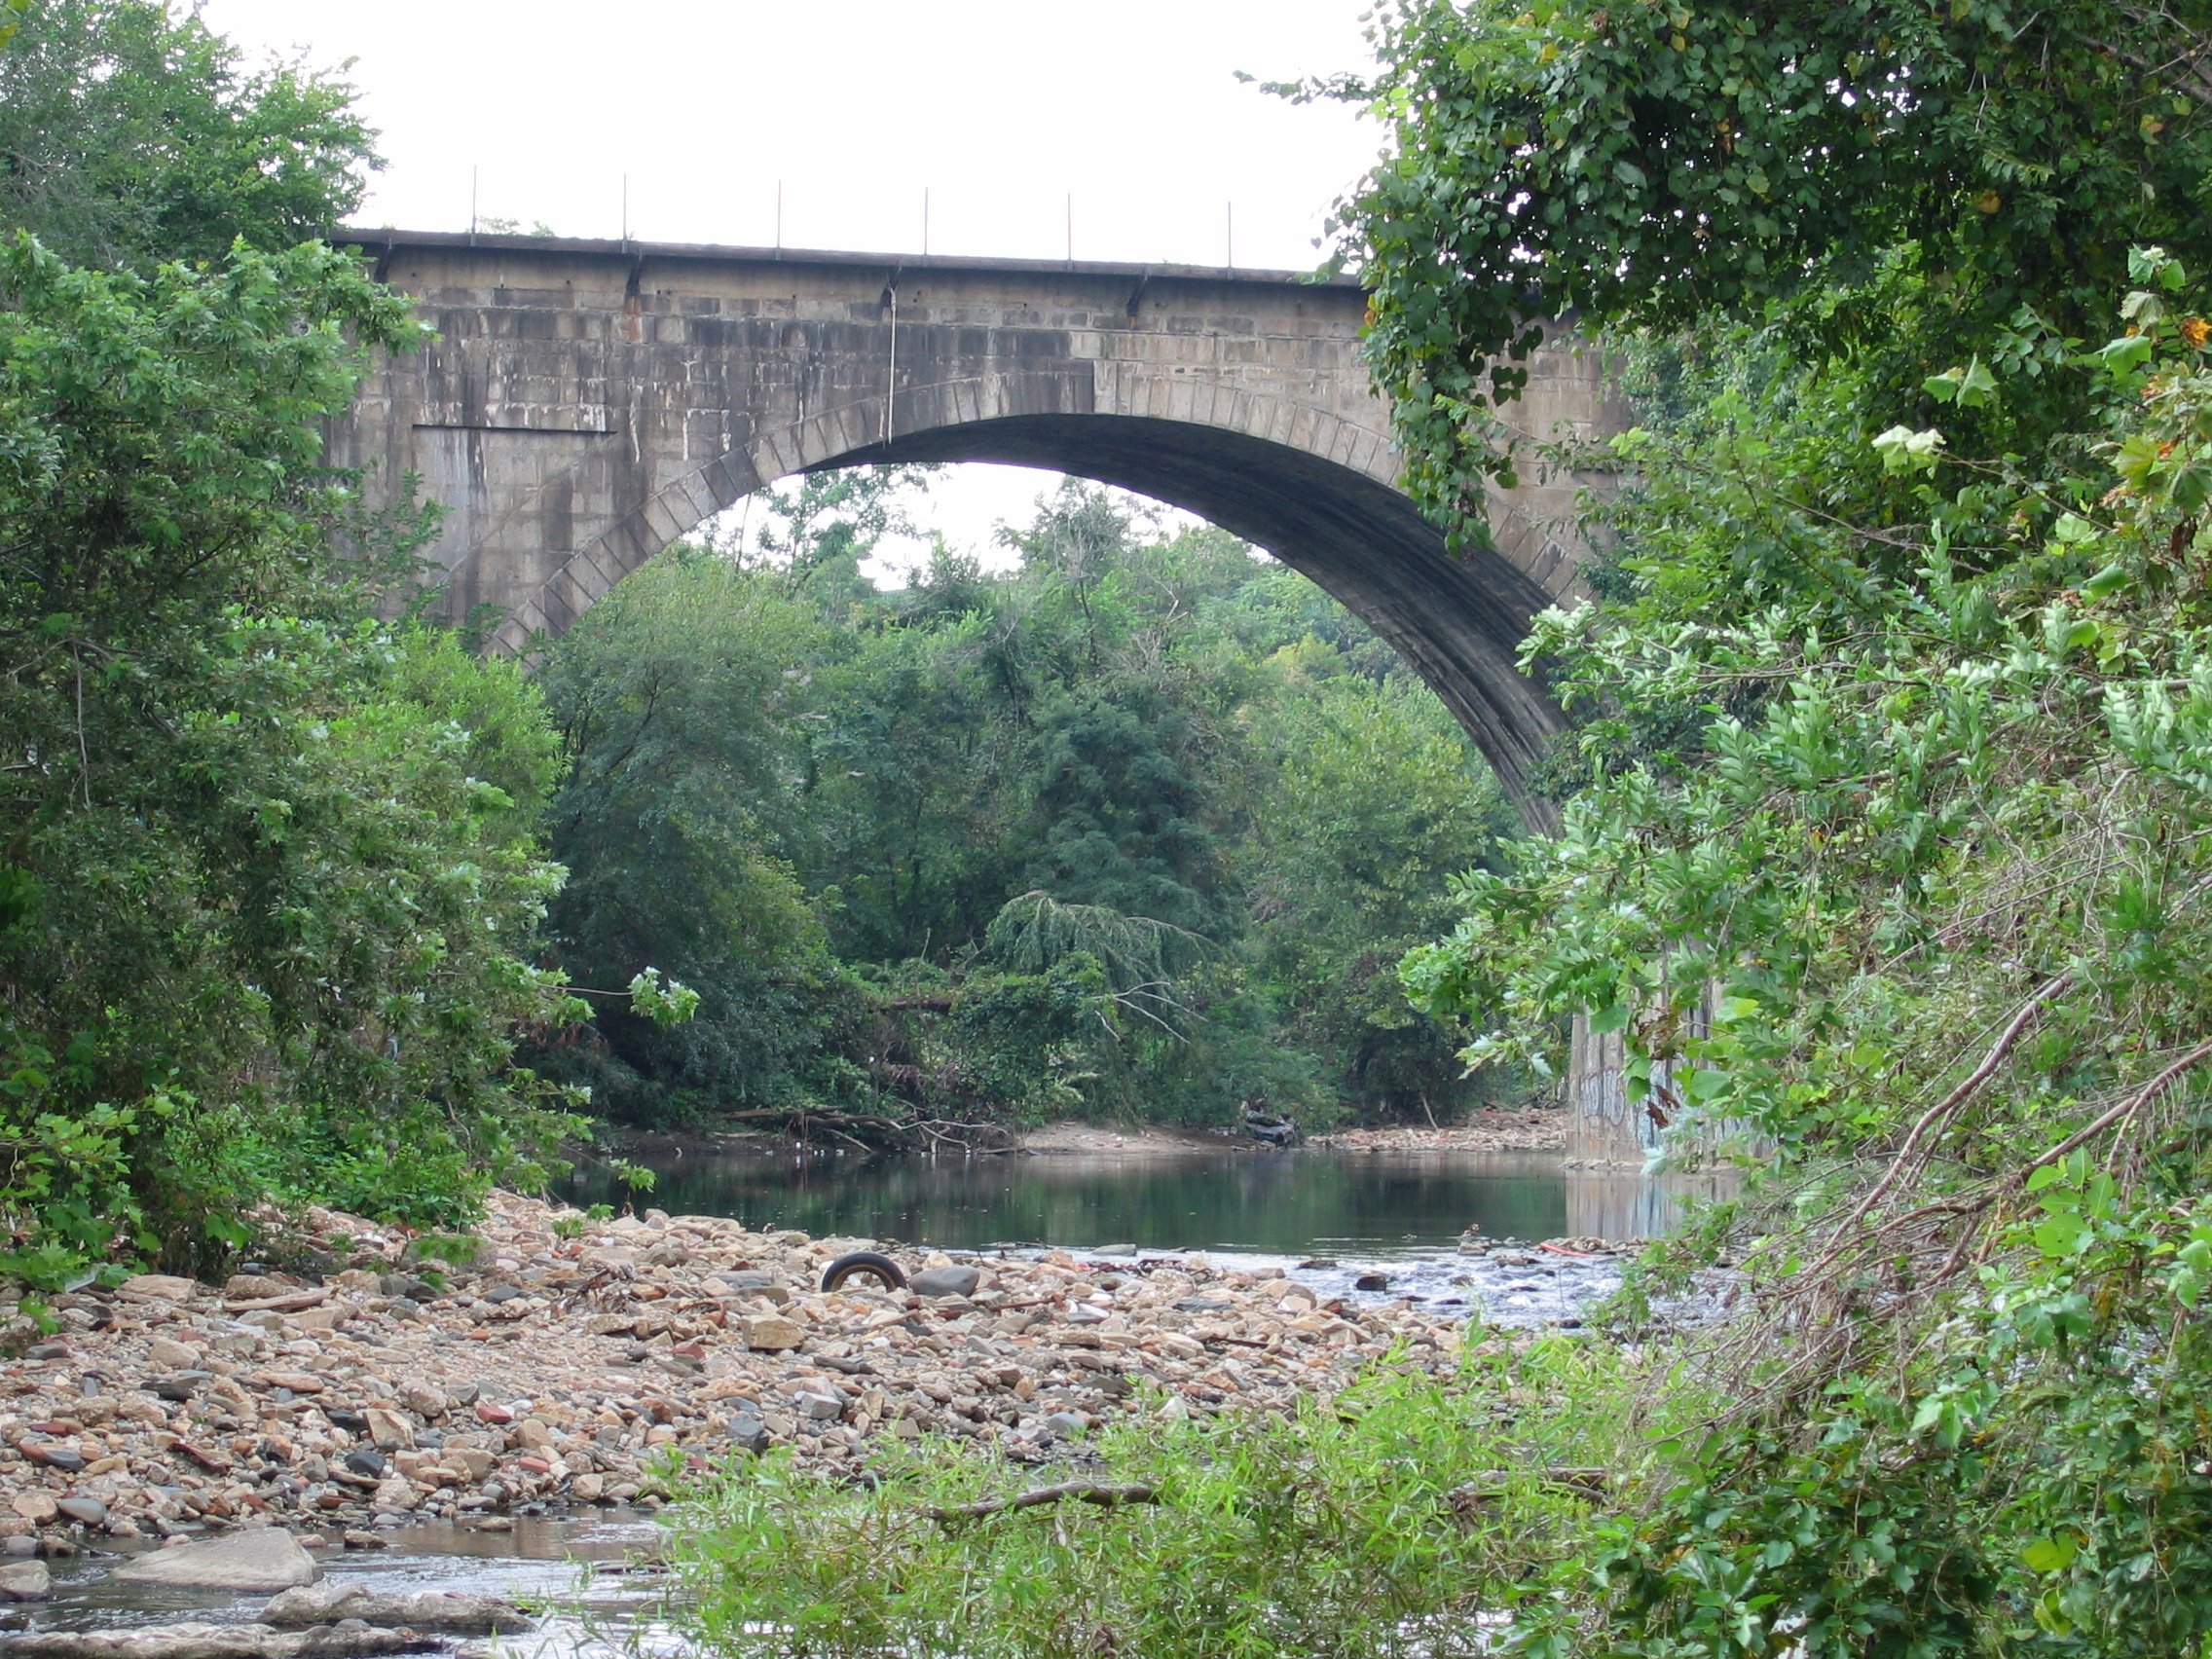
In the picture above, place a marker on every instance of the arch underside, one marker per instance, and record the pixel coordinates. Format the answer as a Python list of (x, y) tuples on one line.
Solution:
[(1459, 622)]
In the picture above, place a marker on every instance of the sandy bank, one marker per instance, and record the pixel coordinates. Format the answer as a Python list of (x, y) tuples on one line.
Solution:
[(1148, 1140), (1487, 1131)]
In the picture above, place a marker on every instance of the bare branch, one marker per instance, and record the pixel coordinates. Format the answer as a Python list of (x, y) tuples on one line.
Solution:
[(1080, 1492)]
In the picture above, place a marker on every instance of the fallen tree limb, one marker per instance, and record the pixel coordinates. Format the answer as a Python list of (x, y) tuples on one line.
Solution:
[(872, 1131), (1077, 1491), (2148, 1095)]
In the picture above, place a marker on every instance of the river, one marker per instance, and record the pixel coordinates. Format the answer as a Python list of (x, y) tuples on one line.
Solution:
[(1370, 1205)]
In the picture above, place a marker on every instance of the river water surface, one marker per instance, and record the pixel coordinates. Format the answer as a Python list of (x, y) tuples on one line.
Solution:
[(1373, 1205)]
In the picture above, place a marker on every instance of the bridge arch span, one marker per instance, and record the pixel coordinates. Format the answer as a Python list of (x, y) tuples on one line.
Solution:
[(584, 405)]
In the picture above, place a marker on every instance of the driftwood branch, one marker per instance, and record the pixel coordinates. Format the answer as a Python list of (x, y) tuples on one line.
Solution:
[(1079, 1491)]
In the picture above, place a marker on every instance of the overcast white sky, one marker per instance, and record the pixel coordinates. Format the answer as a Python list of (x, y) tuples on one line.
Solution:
[(1001, 109)]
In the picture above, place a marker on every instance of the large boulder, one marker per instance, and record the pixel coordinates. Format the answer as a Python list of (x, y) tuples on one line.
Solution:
[(264, 1560)]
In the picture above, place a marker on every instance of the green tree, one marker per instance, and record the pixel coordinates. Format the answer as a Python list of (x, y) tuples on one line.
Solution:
[(1131, 734), (1374, 802), (1121, 809), (680, 699), (1658, 164), (1878, 835), (914, 778), (267, 924), (134, 136)]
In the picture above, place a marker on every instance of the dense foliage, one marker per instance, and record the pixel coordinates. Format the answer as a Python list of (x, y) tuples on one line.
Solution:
[(1902, 175), (1140, 825), (1888, 865), (269, 870), (133, 135), (1883, 824)]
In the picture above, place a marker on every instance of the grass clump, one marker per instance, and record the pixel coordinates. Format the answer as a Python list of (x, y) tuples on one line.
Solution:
[(1401, 1515)]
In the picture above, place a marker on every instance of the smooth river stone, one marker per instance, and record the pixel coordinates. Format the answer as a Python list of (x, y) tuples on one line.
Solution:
[(944, 1281), (264, 1560)]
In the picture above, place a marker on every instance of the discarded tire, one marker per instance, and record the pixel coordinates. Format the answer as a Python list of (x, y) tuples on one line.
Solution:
[(864, 1263)]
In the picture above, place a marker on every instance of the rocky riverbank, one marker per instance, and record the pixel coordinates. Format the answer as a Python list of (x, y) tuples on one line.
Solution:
[(567, 1364)]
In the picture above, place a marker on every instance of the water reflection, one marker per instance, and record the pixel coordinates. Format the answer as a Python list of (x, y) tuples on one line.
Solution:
[(534, 1559), (1365, 1204)]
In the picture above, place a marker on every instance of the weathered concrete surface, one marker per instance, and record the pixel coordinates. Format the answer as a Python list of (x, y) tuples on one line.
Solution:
[(586, 403)]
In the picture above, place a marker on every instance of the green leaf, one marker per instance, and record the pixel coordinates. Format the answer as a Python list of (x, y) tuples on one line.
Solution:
[(2125, 355), (1707, 1083), (2106, 582), (2061, 1236), (1609, 1019)]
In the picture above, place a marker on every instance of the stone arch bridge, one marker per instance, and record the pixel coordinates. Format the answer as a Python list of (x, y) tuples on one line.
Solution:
[(586, 403)]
